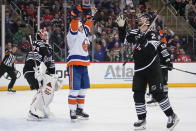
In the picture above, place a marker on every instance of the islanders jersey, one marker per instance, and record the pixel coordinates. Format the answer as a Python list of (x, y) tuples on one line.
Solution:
[(78, 43)]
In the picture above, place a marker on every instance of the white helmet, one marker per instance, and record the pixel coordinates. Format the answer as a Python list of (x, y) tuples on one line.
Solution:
[(42, 34)]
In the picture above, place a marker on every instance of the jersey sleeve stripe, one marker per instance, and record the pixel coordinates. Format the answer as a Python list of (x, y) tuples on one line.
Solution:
[(88, 24), (78, 63)]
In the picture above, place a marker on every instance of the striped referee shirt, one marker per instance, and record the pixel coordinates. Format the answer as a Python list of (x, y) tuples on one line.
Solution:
[(9, 59)]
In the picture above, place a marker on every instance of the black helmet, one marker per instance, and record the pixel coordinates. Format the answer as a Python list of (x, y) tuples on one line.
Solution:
[(149, 17)]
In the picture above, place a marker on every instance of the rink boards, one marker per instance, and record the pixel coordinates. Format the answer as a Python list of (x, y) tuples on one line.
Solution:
[(111, 75)]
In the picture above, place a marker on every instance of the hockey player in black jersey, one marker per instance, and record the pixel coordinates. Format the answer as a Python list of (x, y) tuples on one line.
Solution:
[(39, 71), (41, 52), (166, 65), (147, 70)]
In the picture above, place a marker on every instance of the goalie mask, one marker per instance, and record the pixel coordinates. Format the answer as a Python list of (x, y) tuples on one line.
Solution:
[(42, 35)]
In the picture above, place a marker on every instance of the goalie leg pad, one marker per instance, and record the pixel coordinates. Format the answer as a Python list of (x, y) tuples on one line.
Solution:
[(37, 108)]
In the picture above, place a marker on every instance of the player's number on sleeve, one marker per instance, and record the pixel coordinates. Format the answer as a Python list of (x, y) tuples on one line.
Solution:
[(153, 36)]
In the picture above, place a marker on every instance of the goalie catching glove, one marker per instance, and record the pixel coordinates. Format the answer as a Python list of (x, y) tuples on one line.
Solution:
[(120, 20)]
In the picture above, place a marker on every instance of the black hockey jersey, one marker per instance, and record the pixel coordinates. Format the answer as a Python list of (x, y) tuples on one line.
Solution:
[(41, 52), (164, 55), (144, 47)]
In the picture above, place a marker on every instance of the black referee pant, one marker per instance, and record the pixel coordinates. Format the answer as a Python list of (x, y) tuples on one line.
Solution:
[(11, 73)]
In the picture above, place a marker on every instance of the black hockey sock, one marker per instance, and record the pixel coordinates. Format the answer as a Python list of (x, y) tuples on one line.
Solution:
[(141, 110), (166, 107)]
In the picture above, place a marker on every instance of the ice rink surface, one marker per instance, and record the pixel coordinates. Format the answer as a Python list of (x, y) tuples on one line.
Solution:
[(109, 110)]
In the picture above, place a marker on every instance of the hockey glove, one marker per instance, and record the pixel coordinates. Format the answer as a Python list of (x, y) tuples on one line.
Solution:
[(76, 11), (120, 21), (169, 66), (91, 13), (37, 74)]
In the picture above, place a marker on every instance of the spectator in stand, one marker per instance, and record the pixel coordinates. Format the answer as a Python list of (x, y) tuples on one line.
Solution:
[(47, 17), (189, 11), (25, 45), (8, 20), (173, 54), (57, 37), (117, 52), (31, 11), (57, 21), (18, 36), (182, 57), (110, 42), (159, 22), (99, 53)]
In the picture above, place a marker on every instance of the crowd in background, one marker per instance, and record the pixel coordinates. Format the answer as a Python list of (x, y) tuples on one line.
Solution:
[(187, 8), (106, 46)]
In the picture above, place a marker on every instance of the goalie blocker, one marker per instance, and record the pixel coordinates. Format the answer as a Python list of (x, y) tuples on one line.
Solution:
[(39, 107)]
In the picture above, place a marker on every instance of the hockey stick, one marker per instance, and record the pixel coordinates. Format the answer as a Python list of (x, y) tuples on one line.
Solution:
[(152, 24), (40, 85), (179, 70), (18, 74)]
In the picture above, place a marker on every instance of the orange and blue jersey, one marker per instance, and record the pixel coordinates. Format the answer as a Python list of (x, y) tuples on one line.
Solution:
[(78, 43)]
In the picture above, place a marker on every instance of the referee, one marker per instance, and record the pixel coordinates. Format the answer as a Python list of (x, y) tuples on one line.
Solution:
[(8, 65)]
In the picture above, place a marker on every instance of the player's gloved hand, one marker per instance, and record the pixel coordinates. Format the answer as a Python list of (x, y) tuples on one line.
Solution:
[(76, 11), (37, 74), (91, 12), (169, 66), (58, 84), (120, 20)]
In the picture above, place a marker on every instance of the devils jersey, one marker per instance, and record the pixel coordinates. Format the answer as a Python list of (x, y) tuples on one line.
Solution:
[(144, 47), (164, 55), (41, 53)]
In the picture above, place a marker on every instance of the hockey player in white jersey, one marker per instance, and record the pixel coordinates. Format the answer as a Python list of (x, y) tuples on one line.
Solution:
[(77, 61)]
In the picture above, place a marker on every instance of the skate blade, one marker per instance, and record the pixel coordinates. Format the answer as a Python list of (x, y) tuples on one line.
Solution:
[(74, 120), (33, 118), (83, 118), (176, 122), (140, 128)]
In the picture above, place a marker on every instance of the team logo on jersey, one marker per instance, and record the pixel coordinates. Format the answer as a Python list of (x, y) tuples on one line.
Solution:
[(85, 44), (49, 84)]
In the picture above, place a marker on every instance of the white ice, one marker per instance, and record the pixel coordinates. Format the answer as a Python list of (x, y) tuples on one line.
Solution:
[(109, 109)]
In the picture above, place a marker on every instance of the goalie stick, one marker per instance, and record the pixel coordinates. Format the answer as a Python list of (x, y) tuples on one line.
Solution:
[(40, 85), (152, 24)]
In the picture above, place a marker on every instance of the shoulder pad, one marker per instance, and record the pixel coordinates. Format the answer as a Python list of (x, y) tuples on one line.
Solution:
[(134, 31)]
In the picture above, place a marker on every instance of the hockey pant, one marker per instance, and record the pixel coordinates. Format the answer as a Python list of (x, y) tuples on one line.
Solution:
[(44, 96)]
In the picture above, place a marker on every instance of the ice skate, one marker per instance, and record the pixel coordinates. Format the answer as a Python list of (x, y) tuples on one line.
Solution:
[(73, 116), (172, 122), (81, 114), (33, 117), (11, 90), (140, 125)]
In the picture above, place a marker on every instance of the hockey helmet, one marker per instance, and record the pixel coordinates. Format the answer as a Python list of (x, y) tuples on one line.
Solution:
[(42, 34), (147, 17)]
